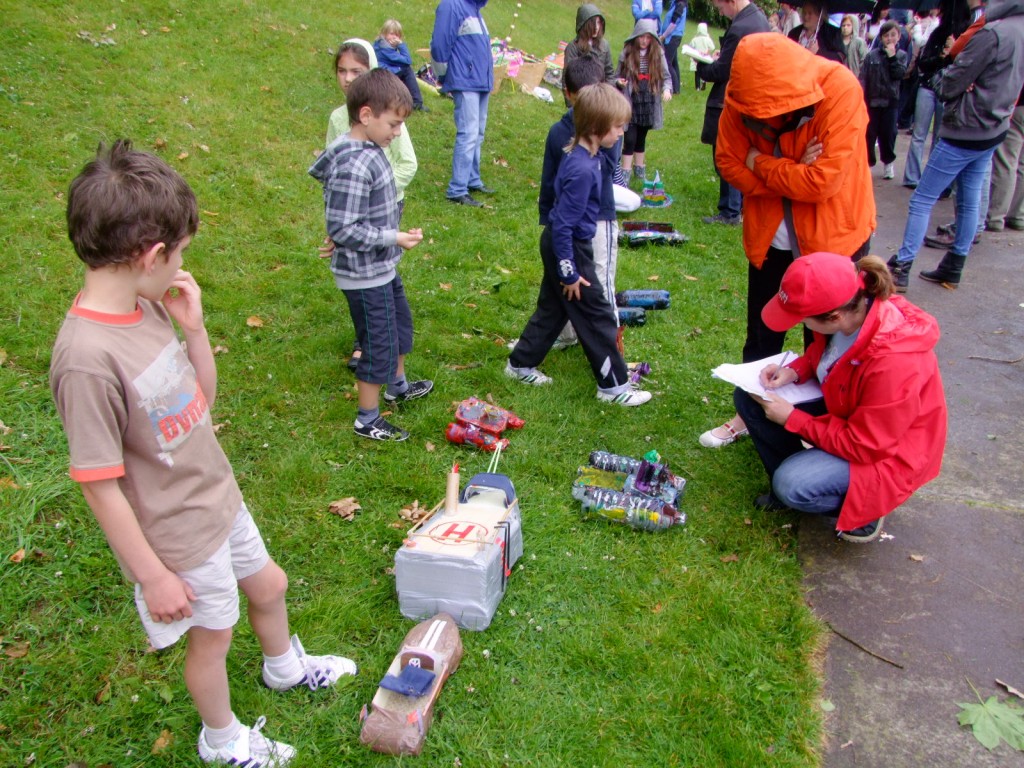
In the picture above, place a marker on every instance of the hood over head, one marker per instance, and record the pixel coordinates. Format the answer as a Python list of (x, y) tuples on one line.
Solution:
[(585, 13), (772, 75), (365, 46), (644, 27), (702, 28)]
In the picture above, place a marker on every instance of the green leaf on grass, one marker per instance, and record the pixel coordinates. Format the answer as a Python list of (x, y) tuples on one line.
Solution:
[(994, 720)]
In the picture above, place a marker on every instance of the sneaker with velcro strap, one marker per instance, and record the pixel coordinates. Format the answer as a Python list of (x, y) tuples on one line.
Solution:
[(629, 398), (416, 390), (250, 749), (317, 671), (380, 429), (864, 534)]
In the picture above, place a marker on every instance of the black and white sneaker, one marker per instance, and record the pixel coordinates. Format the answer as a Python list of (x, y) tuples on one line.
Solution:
[(380, 429), (864, 534), (416, 390)]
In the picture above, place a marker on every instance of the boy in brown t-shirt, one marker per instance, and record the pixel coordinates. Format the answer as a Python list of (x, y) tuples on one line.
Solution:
[(136, 410)]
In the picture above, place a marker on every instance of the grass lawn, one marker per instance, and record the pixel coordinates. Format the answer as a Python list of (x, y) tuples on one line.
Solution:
[(612, 647)]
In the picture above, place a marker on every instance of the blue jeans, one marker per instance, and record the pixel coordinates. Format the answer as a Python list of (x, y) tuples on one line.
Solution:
[(808, 480), (969, 167), (470, 125), (927, 116)]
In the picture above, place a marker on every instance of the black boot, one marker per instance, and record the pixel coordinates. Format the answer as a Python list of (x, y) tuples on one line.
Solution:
[(948, 271), (900, 272)]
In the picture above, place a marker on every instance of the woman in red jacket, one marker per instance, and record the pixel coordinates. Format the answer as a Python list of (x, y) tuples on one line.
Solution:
[(879, 431)]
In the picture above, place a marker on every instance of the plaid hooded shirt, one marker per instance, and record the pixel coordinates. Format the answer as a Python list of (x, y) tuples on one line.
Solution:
[(361, 211)]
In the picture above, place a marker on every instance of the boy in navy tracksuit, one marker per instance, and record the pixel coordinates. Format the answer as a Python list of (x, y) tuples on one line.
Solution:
[(580, 72), (571, 289)]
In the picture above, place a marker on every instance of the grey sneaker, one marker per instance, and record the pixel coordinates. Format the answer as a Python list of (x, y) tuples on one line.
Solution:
[(416, 390), (864, 534), (527, 375), (380, 429)]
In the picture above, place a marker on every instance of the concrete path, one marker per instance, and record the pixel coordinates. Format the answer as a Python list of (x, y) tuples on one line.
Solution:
[(943, 598)]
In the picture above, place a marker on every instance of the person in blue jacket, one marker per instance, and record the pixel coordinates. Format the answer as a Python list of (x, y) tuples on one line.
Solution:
[(647, 9), (461, 52), (393, 54), (671, 34)]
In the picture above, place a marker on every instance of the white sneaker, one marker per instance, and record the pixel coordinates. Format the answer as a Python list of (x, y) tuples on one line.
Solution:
[(889, 172), (628, 398), (250, 749), (317, 671), (527, 375)]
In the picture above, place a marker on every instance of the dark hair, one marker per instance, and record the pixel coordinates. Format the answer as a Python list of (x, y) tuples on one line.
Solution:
[(379, 90), (588, 32), (877, 285), (124, 202), (887, 27), (356, 50), (582, 71)]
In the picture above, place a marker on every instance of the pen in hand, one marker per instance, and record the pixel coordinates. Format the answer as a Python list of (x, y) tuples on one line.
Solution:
[(774, 381)]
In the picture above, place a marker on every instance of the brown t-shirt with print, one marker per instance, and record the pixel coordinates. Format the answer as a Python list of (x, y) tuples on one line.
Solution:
[(132, 409)]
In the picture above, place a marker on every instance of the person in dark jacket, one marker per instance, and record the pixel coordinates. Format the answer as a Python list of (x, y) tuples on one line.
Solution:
[(746, 19), (393, 54), (880, 76), (817, 35)]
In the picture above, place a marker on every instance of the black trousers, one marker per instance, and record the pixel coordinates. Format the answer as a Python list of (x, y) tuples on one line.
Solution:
[(592, 317), (882, 128), (672, 57), (762, 285)]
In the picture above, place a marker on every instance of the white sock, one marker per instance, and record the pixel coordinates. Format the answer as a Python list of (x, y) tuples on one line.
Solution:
[(286, 666), (221, 737)]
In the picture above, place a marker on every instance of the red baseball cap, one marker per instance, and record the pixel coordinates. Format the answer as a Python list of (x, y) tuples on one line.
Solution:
[(813, 285)]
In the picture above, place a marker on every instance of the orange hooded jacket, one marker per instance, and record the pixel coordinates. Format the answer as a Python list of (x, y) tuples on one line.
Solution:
[(833, 201)]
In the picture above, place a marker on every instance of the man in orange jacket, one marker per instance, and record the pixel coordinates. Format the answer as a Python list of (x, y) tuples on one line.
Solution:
[(791, 139)]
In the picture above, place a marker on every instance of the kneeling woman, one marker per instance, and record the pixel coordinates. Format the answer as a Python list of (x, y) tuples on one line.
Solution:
[(879, 431)]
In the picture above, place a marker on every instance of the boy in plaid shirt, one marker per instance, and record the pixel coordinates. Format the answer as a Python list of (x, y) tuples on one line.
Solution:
[(362, 220)]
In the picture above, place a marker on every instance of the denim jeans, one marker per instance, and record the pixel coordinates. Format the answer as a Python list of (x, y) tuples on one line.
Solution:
[(970, 167), (808, 480), (927, 116), (470, 125)]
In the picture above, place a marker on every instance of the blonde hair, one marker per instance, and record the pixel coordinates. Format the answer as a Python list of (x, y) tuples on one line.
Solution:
[(597, 109), (391, 27)]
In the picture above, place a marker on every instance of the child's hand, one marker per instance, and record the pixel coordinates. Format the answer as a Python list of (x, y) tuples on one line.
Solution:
[(326, 250), (666, 95), (168, 598), (621, 82), (409, 239), (183, 303), (572, 291)]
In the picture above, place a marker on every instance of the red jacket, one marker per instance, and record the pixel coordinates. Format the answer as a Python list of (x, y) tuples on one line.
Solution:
[(886, 409), (833, 201)]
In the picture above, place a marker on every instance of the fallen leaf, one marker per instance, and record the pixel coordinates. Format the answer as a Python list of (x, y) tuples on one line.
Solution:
[(413, 512), (4, 429), (827, 706), (993, 721), (204, 148), (183, 156), (160, 144), (654, 278), (265, 88), (18, 556), (344, 508), (254, 322), (489, 398), (445, 286), (747, 521), (218, 427), (144, 33), (165, 29), (501, 161), (467, 336), (7, 482), (484, 292), (163, 741), (3, 355), (658, 608), (690, 277), (16, 650), (729, 558), (103, 693), (1010, 689), (505, 271), (210, 213), (219, 350), (917, 558), (430, 447), (470, 304)]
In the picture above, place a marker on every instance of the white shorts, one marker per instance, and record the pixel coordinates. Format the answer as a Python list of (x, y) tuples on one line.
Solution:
[(215, 583)]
